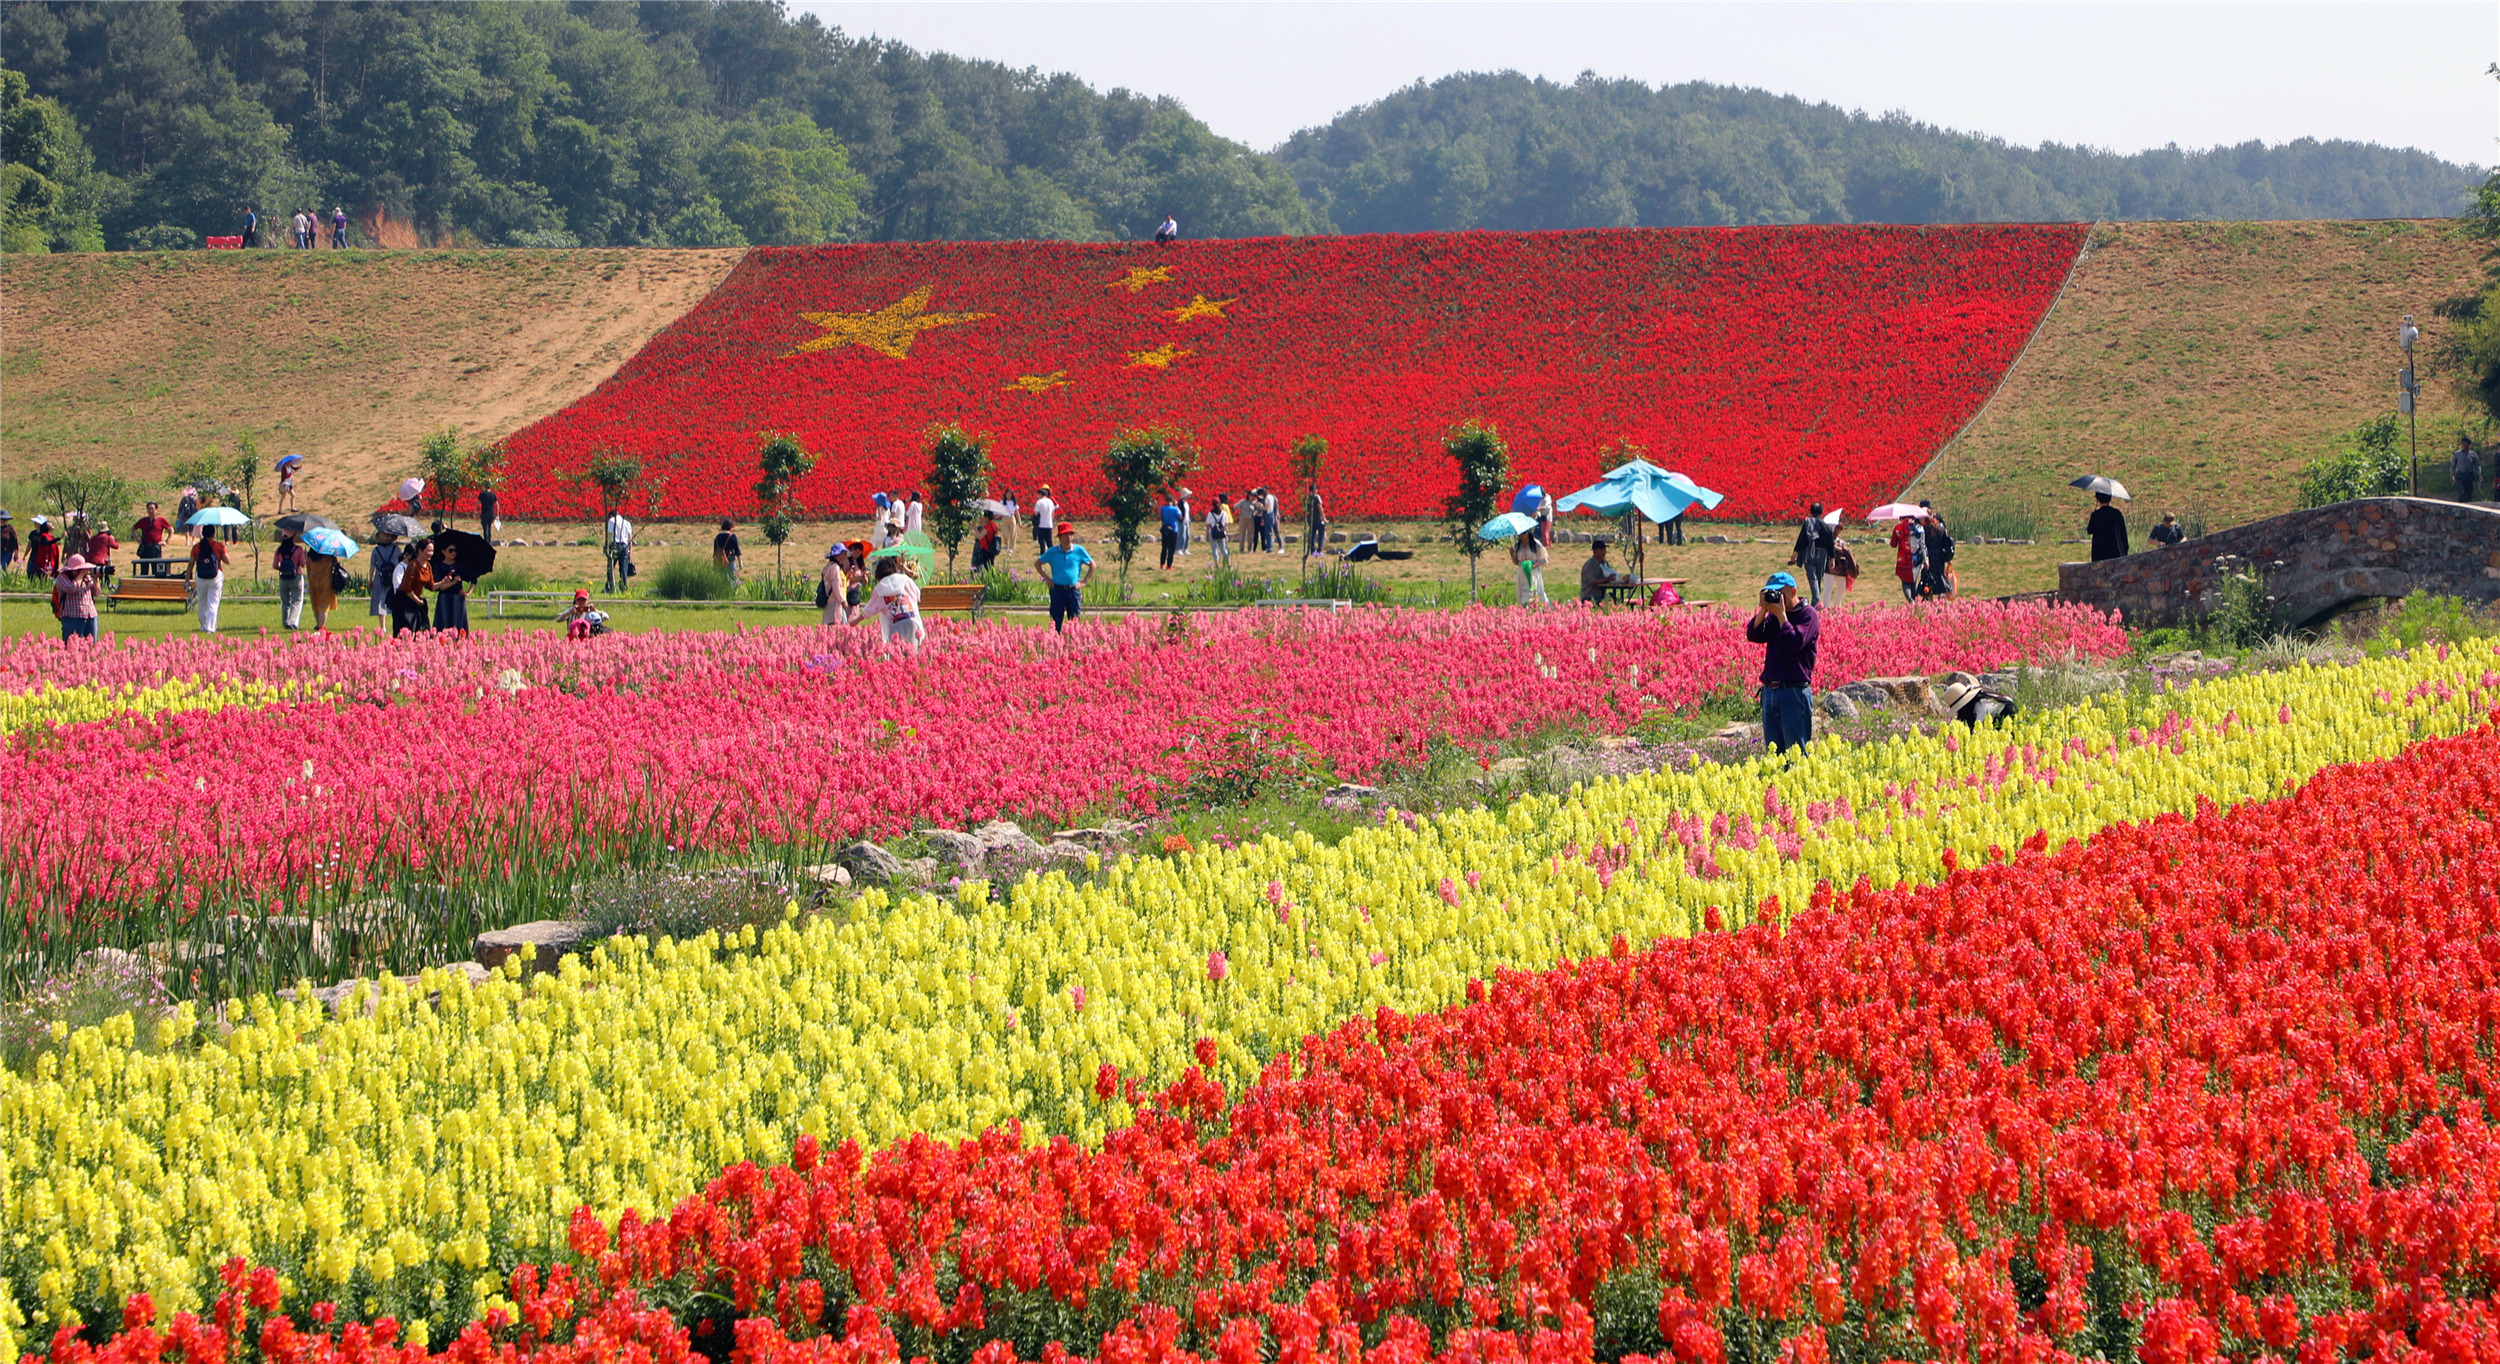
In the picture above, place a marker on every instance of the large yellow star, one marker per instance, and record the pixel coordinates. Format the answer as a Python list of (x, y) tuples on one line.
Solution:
[(889, 331), (1144, 275), (1039, 383), (1201, 306), (1161, 357)]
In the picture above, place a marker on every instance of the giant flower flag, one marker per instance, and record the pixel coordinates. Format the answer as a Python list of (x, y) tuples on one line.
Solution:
[(1778, 364)]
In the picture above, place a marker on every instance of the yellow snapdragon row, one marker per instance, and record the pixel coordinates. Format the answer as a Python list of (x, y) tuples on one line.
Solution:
[(49, 705), (393, 1158)]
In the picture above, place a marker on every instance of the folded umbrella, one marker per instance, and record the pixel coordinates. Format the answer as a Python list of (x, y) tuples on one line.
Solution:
[(1895, 511), (296, 523), (218, 516), (331, 541), (1506, 525), (2096, 483)]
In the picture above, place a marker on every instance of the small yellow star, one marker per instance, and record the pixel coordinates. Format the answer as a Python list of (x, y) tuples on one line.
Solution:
[(1201, 306), (1144, 275), (889, 331), (1039, 383), (1161, 357)]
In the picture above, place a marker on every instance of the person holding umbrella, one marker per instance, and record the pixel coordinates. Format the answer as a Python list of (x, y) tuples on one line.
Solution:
[(1909, 555), (290, 559), (288, 467), (451, 591), (322, 575), (2108, 528), (896, 602), (73, 598), (208, 575), (1527, 550), (386, 561)]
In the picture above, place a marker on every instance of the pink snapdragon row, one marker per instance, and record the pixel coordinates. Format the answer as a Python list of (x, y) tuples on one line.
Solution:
[(811, 736)]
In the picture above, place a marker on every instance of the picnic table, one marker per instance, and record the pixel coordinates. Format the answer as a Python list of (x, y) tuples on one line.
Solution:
[(1635, 592)]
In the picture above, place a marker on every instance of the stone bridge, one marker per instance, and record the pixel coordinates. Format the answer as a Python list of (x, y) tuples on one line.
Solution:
[(2330, 558)]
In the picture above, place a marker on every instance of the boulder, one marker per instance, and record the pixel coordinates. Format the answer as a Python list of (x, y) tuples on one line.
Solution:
[(1108, 836), (827, 874), (961, 851), (1064, 850), (1346, 790), (1003, 839), (871, 864), (920, 869), (1913, 692), (539, 944), (1837, 705), (1864, 695)]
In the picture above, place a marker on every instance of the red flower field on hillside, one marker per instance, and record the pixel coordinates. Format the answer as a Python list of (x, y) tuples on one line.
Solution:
[(1779, 365)]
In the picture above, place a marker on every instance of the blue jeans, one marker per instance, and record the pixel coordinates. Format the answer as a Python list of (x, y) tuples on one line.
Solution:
[(77, 627), (1066, 604), (1787, 717)]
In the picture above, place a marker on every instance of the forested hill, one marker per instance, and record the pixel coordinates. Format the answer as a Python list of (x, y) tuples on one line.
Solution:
[(667, 122), (1505, 151), (135, 123)]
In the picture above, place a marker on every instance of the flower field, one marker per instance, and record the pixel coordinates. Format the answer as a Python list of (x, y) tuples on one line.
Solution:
[(536, 754), (2198, 1062), (1778, 365)]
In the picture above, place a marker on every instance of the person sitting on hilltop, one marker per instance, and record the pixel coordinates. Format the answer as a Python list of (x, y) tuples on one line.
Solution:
[(1168, 232)]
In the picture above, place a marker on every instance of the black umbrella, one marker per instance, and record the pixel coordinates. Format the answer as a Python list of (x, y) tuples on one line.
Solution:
[(296, 523), (471, 557), (392, 523)]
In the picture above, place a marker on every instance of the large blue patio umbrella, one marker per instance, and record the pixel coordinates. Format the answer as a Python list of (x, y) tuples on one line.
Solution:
[(1641, 486)]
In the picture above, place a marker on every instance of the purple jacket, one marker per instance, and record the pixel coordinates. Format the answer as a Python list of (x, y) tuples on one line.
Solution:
[(1789, 652)]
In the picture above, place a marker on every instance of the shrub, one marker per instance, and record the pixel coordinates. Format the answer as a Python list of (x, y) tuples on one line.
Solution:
[(2368, 461), (687, 578), (2428, 618)]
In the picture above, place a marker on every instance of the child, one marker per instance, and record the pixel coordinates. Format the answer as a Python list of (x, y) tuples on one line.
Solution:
[(580, 617)]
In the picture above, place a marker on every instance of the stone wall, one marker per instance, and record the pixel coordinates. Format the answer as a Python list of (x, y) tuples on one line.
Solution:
[(2315, 561)]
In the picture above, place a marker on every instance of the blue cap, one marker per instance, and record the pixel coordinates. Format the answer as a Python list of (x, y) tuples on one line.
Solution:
[(1779, 580)]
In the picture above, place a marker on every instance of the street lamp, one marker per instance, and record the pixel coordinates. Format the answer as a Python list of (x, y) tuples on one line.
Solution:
[(2406, 388)]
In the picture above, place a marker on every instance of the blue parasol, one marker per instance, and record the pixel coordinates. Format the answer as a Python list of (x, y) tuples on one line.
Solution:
[(1505, 526)]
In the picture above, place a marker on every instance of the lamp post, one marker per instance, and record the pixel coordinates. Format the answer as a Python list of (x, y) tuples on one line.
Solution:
[(2406, 335)]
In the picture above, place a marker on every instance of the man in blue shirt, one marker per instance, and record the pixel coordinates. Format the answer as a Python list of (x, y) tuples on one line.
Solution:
[(1066, 566), (1787, 629), (1171, 529)]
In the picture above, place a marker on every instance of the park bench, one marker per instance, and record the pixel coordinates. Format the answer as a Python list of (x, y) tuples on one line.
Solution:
[(174, 587), (953, 597)]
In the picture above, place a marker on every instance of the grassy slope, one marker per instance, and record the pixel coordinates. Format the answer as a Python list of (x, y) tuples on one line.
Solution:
[(2203, 364), (349, 357)]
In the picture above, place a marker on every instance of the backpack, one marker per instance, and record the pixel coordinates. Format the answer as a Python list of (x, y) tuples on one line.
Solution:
[(206, 560), (1939, 545)]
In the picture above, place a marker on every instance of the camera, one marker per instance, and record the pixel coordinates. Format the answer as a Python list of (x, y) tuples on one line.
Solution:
[(1770, 595)]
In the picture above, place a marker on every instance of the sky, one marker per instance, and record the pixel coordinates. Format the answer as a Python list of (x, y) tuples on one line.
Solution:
[(2118, 76)]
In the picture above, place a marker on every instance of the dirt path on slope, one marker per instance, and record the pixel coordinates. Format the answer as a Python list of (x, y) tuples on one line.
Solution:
[(2204, 364), (348, 357)]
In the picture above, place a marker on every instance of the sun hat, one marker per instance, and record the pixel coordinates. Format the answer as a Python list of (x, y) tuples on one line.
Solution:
[(42, 520), (1779, 580), (75, 563), (1955, 695)]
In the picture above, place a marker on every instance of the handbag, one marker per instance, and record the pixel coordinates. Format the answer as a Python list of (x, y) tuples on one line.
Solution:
[(821, 594)]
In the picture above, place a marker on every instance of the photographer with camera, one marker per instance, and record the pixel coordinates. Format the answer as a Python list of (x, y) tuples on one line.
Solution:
[(1786, 628)]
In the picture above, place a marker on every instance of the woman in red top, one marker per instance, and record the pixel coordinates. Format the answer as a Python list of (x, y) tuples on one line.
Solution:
[(1904, 564), (100, 547), (43, 550)]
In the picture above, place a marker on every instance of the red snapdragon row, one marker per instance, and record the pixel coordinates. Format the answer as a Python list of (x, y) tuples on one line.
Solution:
[(1778, 365), (426, 760), (2210, 1087)]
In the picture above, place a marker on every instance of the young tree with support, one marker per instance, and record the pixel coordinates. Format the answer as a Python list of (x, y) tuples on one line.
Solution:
[(1483, 460), (959, 477), (1139, 466), (780, 464)]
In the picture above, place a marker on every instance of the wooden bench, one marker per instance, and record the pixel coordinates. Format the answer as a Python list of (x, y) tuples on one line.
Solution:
[(174, 587), (953, 597)]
